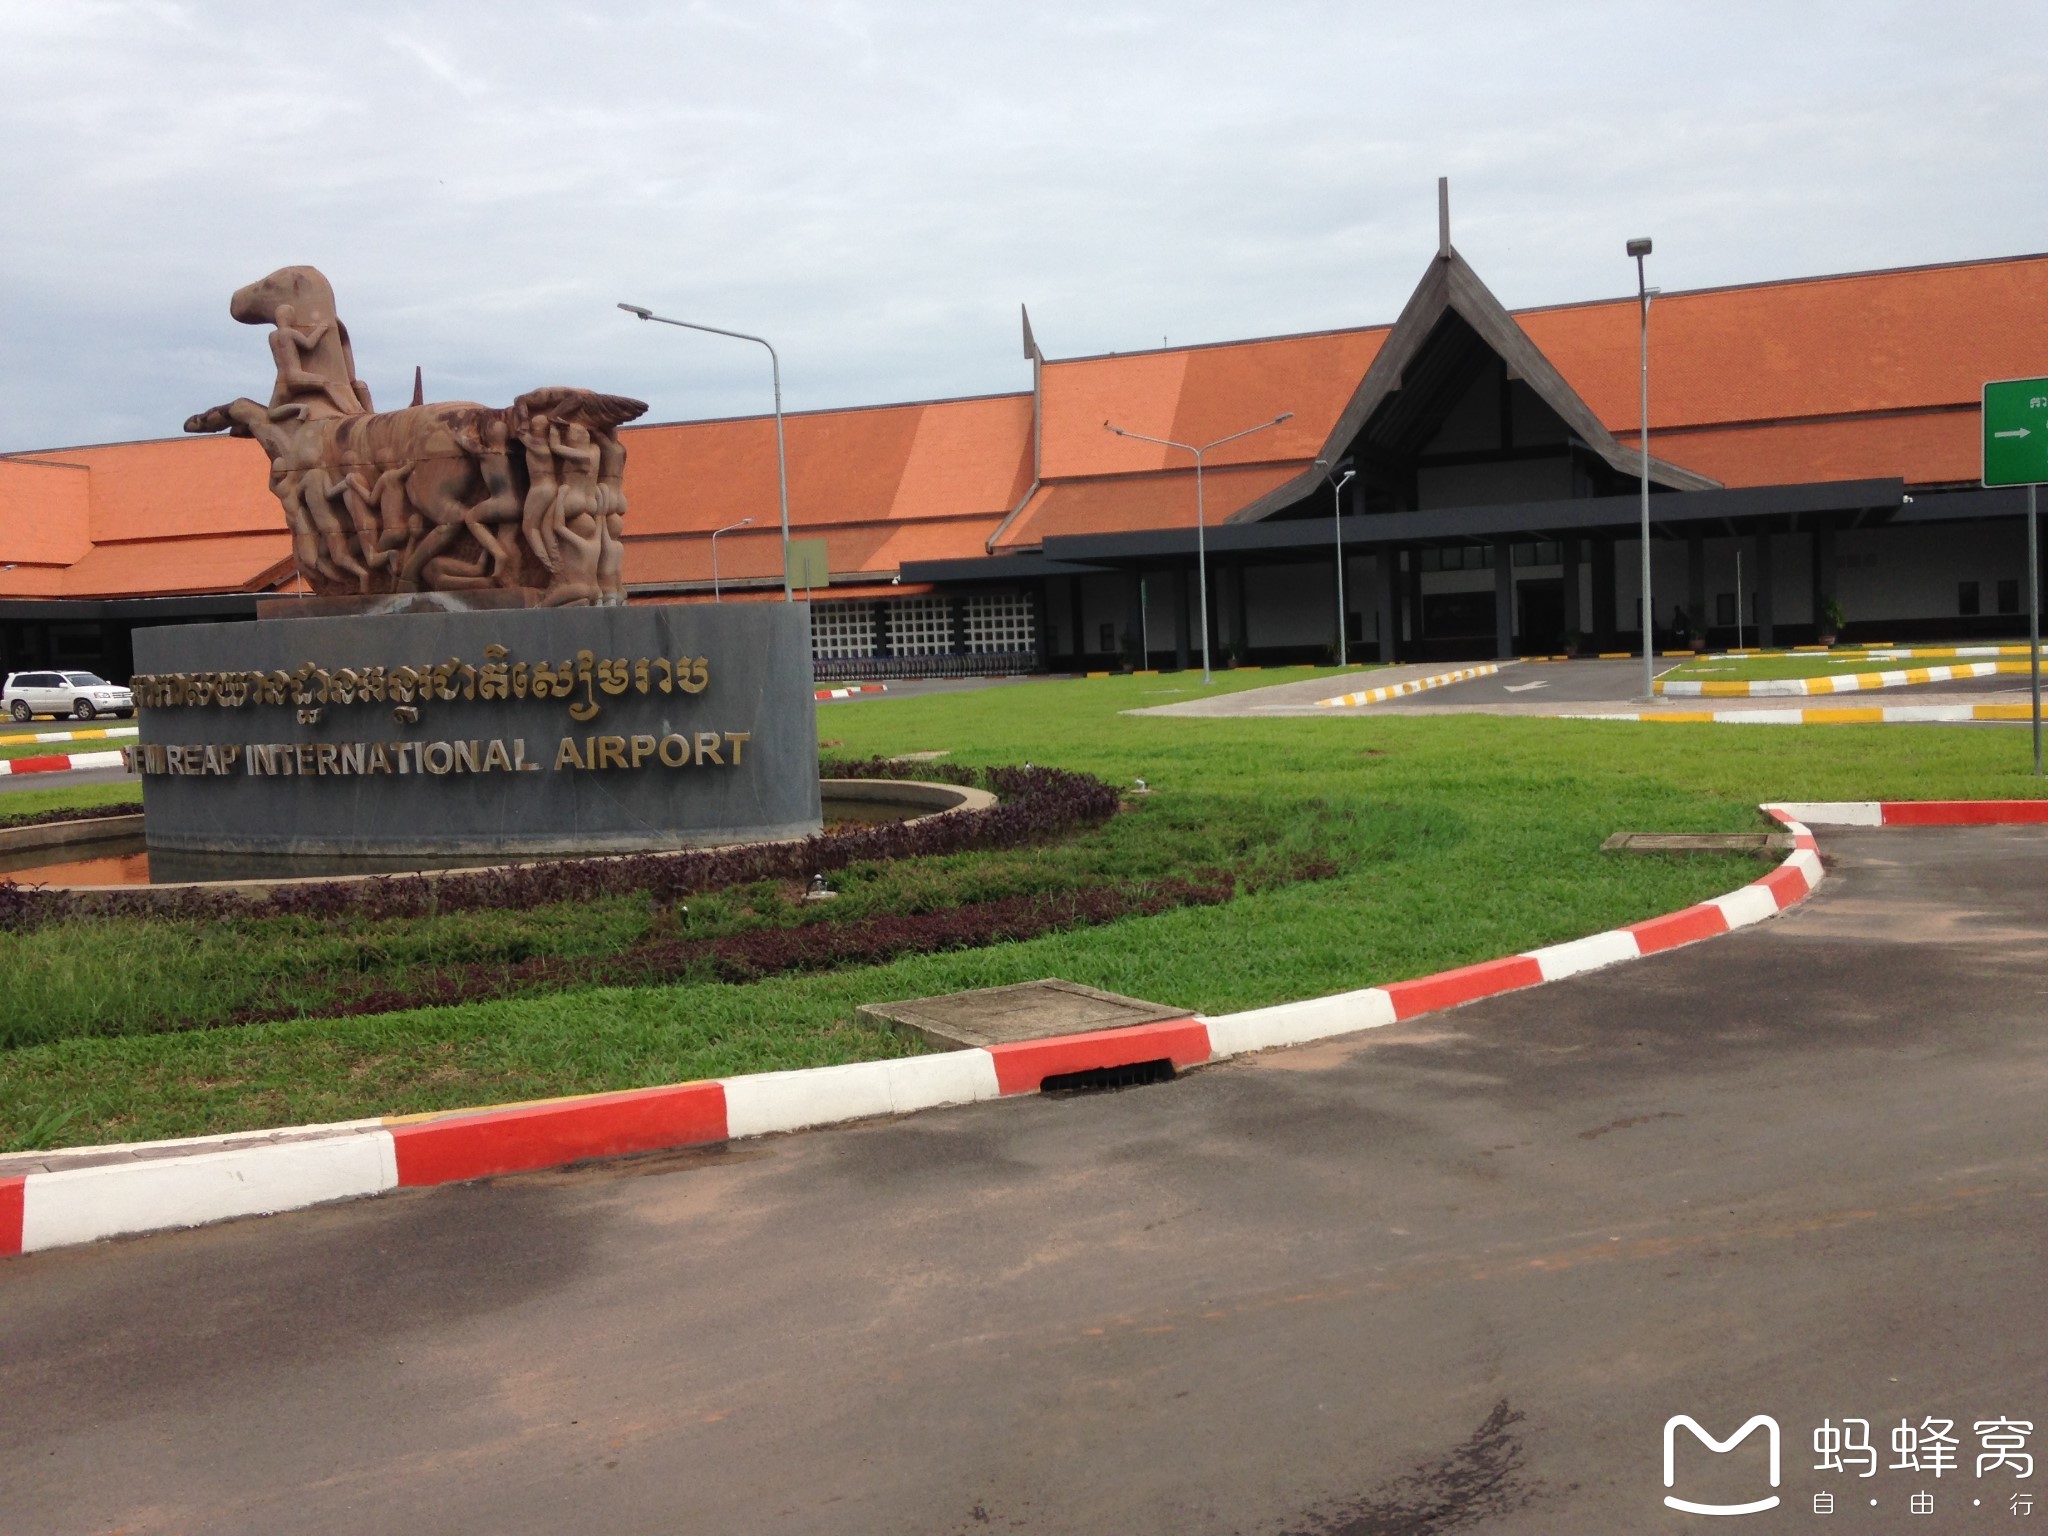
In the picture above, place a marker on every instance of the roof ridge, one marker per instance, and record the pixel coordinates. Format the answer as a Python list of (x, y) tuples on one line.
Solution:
[(1236, 341), (1858, 275), (831, 410)]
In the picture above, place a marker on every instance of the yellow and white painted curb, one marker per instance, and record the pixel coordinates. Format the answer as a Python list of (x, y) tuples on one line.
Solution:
[(1414, 685), (1894, 714), (31, 738), (1851, 682)]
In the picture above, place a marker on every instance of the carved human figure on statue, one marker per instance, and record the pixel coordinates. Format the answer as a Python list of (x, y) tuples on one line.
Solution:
[(296, 382), (427, 496)]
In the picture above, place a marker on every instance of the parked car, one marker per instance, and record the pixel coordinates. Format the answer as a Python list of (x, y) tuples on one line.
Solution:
[(28, 694)]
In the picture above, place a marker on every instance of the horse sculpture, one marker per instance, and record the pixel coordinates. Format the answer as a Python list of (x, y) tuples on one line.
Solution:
[(449, 497)]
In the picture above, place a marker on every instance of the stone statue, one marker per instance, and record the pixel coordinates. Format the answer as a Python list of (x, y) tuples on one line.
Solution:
[(449, 497)]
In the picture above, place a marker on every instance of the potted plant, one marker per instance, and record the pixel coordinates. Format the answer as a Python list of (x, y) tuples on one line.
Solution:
[(1832, 618)]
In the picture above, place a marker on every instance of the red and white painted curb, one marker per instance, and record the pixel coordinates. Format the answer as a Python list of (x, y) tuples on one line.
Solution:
[(61, 763), (148, 1189), (852, 692)]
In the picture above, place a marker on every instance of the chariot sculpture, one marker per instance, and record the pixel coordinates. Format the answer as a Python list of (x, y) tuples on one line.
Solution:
[(450, 497)]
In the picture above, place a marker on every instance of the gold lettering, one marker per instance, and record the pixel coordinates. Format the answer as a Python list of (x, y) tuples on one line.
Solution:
[(566, 755), (353, 754), (611, 751), (682, 746), (465, 757), (437, 761), (496, 757), (738, 740), (380, 759), (325, 754), (643, 748), (707, 746), (519, 762)]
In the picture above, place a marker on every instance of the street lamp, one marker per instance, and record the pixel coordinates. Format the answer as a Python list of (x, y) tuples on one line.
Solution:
[(1640, 248), (1201, 536), (781, 464), (1337, 521), (728, 528)]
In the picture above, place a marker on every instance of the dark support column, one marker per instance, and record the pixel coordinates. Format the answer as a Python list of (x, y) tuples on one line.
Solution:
[(880, 612), (1764, 578), (1217, 586), (1411, 604), (1604, 628), (1133, 625), (956, 639), (1823, 572), (1077, 619), (1241, 618), (1695, 587), (1183, 581), (1574, 620), (1386, 575), (1503, 600)]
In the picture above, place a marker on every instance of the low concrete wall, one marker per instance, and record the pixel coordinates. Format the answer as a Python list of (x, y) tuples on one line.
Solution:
[(68, 834)]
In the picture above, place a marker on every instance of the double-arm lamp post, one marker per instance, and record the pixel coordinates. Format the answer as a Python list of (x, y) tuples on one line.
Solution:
[(744, 522), (1201, 534), (781, 463)]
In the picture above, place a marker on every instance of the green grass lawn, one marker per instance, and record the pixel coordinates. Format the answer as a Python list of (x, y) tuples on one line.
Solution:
[(1459, 839)]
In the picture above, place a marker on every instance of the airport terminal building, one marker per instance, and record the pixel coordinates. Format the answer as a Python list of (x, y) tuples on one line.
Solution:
[(1821, 432)]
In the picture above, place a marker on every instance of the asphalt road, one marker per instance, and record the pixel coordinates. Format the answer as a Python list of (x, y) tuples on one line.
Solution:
[(1451, 1276), (1536, 684)]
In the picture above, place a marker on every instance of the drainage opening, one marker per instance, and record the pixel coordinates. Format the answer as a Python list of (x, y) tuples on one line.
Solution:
[(1102, 1079)]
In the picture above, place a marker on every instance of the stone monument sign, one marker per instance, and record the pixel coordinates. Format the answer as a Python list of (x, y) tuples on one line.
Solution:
[(515, 707)]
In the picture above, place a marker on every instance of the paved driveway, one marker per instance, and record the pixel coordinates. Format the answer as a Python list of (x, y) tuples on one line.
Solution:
[(1449, 1276)]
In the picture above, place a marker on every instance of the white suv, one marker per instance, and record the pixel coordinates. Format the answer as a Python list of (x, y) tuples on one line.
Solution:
[(29, 694)]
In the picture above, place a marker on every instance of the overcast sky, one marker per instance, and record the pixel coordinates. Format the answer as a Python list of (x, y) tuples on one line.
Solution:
[(876, 184)]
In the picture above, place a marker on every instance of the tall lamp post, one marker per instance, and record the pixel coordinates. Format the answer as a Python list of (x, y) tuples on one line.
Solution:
[(728, 528), (1337, 521), (1639, 249), (1201, 533), (781, 463)]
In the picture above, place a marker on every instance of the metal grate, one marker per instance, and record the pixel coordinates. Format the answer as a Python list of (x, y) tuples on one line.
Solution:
[(999, 624), (920, 626), (1107, 1079), (841, 631)]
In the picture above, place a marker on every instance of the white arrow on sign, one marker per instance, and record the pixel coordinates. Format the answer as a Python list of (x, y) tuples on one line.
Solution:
[(1524, 687), (2012, 432)]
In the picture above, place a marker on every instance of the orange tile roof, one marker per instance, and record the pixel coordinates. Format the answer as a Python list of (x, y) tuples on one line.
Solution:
[(949, 458), (1197, 394), (1919, 447), (45, 513), (1128, 503), (238, 562), (1774, 353)]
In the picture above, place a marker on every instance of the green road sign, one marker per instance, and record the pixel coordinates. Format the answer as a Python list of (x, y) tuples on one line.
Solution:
[(807, 564), (2016, 432)]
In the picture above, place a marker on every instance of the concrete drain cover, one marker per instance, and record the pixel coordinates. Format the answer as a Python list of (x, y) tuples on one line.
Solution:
[(1030, 1010)]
